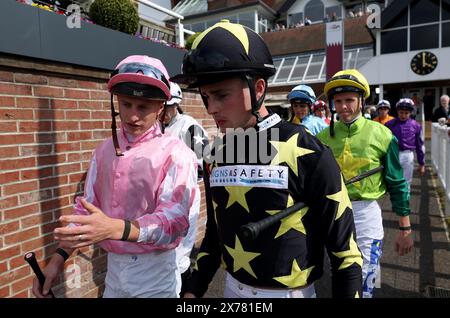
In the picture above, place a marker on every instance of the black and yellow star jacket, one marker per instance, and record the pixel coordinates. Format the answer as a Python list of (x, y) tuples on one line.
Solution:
[(247, 184)]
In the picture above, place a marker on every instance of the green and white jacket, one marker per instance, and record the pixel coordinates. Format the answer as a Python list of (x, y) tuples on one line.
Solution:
[(364, 145)]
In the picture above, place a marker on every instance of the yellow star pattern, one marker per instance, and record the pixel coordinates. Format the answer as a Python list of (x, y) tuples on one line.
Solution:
[(297, 277), (241, 258), (349, 164), (293, 221), (288, 151), (357, 295), (342, 198), (350, 256), (199, 256), (237, 194)]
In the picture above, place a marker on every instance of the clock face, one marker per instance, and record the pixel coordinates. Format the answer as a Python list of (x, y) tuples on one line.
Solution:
[(424, 63)]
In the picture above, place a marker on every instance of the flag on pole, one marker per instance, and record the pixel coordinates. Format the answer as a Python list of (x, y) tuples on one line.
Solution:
[(335, 47)]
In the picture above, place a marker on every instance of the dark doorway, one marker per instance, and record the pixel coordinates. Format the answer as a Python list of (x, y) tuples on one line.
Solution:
[(429, 100), (393, 96)]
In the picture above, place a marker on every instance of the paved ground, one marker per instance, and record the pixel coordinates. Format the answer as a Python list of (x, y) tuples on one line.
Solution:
[(423, 273)]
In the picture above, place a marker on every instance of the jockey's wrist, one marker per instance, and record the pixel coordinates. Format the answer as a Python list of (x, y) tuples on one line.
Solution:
[(117, 227), (126, 230), (405, 228), (62, 253)]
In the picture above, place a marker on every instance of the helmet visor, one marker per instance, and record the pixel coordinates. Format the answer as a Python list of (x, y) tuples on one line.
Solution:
[(301, 96), (144, 69), (196, 62)]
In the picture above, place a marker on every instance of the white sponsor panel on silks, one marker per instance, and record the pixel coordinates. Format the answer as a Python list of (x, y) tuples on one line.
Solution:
[(250, 176)]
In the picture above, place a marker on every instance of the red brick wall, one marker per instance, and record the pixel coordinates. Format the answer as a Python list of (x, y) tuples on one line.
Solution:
[(52, 116)]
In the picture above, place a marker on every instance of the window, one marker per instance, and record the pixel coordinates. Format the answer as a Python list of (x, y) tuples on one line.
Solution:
[(445, 10), (425, 37), (198, 27), (424, 11), (445, 34), (295, 18), (300, 68), (293, 67), (231, 18), (315, 10), (335, 9), (210, 23), (363, 57), (247, 19), (285, 69), (393, 41), (276, 63), (263, 24), (315, 66), (399, 21), (356, 9), (350, 59)]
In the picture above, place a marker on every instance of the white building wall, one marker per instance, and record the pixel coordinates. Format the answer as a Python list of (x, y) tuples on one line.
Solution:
[(395, 68)]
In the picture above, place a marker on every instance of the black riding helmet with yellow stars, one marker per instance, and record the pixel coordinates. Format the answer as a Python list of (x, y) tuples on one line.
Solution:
[(345, 81), (226, 50)]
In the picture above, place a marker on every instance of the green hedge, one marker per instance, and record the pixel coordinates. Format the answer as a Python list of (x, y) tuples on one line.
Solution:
[(190, 40), (120, 15)]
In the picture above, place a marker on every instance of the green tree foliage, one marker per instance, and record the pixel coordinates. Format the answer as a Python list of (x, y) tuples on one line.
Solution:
[(191, 40), (120, 15)]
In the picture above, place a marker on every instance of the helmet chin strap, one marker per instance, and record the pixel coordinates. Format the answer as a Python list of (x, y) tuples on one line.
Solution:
[(256, 104), (333, 111), (163, 115), (363, 103), (114, 128)]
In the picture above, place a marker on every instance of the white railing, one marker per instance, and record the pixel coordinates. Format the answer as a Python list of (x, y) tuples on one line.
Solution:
[(309, 68), (179, 28), (440, 157)]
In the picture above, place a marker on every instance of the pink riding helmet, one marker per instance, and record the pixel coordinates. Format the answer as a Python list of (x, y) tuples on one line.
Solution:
[(141, 69)]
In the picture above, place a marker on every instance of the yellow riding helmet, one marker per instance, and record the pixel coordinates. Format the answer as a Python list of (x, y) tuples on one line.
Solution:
[(350, 80)]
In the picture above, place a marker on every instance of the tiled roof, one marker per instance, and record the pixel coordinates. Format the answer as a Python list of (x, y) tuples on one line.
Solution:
[(312, 37)]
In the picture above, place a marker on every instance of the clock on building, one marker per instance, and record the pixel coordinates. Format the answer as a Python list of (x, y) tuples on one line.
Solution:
[(424, 63)]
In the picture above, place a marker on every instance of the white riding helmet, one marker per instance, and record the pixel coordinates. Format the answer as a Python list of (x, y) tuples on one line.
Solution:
[(175, 94), (384, 103), (406, 104)]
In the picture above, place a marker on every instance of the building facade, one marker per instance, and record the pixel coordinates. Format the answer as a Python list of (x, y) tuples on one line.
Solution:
[(402, 47)]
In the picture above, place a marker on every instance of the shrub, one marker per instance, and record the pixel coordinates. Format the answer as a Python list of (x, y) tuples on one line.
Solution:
[(191, 40), (120, 15)]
